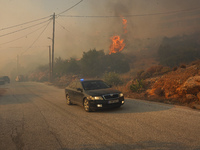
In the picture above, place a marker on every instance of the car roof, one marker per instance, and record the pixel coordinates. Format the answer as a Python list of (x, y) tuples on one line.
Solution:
[(83, 80), (4, 76)]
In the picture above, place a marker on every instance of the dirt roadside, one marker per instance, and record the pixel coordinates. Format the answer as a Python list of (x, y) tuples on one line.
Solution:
[(2, 91)]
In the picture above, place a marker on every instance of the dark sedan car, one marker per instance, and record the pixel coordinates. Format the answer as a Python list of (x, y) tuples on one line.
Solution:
[(2, 82), (93, 94), (6, 79)]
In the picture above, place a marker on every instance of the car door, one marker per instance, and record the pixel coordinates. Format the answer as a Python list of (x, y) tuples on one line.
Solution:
[(72, 91), (78, 93)]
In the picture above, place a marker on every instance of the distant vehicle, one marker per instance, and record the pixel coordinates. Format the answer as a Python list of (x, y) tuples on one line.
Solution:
[(93, 95), (19, 78), (6, 79), (2, 82)]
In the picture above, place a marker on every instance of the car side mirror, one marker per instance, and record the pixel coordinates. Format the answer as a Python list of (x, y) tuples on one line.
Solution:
[(79, 89)]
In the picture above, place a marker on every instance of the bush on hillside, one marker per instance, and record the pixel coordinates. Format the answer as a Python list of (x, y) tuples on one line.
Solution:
[(112, 78), (137, 85), (116, 62)]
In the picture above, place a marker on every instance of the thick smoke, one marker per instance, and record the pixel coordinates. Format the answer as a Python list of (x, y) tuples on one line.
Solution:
[(151, 20)]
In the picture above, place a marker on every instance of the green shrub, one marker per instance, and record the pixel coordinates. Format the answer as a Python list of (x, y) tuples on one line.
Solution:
[(137, 85), (139, 73), (112, 78)]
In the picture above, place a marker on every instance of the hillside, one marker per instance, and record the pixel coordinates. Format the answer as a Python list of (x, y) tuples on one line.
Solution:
[(181, 86)]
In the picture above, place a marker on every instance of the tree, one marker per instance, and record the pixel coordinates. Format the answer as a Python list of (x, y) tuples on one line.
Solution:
[(92, 63), (73, 66), (112, 78), (60, 67), (117, 62)]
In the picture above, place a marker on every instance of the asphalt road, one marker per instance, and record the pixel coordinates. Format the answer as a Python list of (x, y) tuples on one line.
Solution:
[(34, 116)]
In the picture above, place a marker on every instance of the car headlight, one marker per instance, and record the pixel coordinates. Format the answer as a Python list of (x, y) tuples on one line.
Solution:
[(96, 98), (121, 95)]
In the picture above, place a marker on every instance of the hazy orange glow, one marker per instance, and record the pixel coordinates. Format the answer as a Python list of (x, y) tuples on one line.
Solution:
[(117, 44)]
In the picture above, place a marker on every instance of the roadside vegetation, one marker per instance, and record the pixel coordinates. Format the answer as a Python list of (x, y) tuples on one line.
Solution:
[(93, 64)]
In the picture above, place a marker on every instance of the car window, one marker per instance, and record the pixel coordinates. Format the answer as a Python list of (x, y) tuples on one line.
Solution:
[(93, 85)]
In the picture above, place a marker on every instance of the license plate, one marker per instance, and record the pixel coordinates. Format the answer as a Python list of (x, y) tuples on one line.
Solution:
[(113, 101)]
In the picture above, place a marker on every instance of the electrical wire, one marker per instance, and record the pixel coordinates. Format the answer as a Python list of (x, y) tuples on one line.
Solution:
[(35, 21), (62, 26), (24, 28), (36, 39), (24, 23), (139, 15), (22, 36), (70, 8)]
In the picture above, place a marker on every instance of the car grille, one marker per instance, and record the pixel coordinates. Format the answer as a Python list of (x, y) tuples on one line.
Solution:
[(110, 96)]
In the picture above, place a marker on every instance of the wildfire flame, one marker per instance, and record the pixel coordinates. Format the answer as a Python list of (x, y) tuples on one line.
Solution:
[(118, 44), (124, 21)]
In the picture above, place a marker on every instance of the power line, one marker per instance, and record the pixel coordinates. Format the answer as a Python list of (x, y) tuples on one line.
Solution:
[(24, 28), (40, 18), (32, 25), (19, 47), (62, 26), (23, 36), (36, 39), (70, 7), (23, 23), (137, 15)]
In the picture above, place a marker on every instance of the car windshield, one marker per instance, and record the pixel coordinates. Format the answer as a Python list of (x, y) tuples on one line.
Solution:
[(94, 85)]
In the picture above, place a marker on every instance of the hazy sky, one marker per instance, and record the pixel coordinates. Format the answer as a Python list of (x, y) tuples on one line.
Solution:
[(77, 32)]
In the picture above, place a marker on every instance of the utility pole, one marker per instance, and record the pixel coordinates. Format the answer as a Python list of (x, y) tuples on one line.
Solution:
[(52, 69)]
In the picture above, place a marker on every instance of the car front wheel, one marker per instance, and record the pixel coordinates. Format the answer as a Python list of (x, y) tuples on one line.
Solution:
[(68, 100), (86, 105)]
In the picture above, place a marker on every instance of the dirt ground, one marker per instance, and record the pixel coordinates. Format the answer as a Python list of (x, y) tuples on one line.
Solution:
[(2, 91)]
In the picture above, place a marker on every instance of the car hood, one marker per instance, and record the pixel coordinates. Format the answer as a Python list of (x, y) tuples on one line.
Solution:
[(100, 92)]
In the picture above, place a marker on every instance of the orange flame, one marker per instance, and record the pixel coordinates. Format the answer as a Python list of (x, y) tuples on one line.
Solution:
[(117, 44), (124, 21)]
